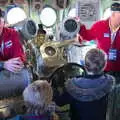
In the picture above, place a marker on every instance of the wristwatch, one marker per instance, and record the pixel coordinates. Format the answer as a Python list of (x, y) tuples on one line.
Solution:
[(1, 65)]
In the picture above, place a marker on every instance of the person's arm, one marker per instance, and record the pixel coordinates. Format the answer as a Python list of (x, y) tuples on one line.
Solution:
[(1, 65), (89, 34), (17, 47), (62, 99), (13, 65)]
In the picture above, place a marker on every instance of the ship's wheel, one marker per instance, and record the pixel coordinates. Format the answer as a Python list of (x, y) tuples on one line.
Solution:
[(64, 73)]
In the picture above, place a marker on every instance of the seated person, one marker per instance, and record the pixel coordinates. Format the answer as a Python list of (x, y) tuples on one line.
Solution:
[(12, 59), (38, 101), (87, 96)]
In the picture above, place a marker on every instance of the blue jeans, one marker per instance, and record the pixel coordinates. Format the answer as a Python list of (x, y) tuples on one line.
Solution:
[(12, 84)]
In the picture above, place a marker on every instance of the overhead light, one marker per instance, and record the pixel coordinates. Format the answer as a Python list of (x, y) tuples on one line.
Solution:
[(48, 16), (15, 15)]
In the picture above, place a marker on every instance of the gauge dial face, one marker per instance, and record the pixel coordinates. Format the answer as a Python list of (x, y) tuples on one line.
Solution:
[(50, 51)]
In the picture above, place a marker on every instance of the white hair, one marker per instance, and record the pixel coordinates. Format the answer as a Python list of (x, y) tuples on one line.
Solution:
[(39, 93)]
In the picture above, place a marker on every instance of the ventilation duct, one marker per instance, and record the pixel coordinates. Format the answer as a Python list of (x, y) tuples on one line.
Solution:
[(69, 28), (27, 28)]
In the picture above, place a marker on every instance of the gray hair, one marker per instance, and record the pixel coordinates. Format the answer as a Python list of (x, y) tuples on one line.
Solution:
[(38, 95), (95, 61)]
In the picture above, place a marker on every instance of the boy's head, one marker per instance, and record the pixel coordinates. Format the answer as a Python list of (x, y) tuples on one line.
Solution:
[(95, 61), (39, 93)]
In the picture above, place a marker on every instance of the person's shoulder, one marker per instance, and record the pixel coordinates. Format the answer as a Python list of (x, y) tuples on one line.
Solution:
[(101, 23), (10, 30), (108, 76)]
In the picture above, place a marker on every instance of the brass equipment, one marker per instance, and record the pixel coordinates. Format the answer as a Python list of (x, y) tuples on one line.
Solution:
[(11, 106), (53, 52), (39, 39)]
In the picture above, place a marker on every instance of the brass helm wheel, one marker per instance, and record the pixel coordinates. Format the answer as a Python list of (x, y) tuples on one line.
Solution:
[(64, 73)]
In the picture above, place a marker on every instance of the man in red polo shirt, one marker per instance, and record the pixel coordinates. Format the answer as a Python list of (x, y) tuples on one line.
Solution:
[(13, 74), (12, 55), (107, 34)]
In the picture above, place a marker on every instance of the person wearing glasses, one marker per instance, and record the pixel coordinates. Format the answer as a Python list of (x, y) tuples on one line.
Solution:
[(107, 34), (12, 59)]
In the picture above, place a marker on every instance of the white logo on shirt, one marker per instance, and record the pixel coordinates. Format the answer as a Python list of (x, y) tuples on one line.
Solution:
[(7, 44)]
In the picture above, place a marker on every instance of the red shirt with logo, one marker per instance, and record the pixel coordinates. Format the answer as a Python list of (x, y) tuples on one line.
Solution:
[(100, 31), (10, 46)]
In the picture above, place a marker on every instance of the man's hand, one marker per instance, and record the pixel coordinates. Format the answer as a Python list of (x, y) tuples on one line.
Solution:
[(79, 38), (14, 65)]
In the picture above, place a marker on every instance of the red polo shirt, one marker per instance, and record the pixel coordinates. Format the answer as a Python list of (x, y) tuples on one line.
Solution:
[(100, 32), (10, 46)]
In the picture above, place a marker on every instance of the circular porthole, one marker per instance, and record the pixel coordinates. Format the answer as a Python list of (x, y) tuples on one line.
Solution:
[(70, 25), (15, 15), (48, 16), (69, 28)]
